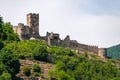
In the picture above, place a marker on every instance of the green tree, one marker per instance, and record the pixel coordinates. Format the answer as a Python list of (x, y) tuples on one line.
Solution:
[(8, 33), (10, 60)]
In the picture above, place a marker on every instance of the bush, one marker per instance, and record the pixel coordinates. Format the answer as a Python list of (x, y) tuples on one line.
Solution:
[(41, 53), (36, 74), (36, 68), (6, 76), (26, 70)]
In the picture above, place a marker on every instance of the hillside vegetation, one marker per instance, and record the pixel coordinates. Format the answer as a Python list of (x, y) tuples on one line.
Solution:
[(69, 65), (114, 52)]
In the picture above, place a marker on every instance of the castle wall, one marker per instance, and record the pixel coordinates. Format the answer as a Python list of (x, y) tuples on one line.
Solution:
[(31, 31), (84, 48)]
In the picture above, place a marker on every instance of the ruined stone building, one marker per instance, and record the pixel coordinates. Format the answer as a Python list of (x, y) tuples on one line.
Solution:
[(31, 31)]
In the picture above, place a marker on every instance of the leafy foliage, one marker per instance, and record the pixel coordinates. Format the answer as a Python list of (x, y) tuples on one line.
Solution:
[(7, 33), (36, 49), (10, 61)]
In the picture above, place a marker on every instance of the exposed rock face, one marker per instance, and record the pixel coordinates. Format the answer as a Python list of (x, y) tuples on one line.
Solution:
[(31, 31)]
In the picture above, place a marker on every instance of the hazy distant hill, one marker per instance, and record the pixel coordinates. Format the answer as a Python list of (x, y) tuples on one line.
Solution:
[(114, 52)]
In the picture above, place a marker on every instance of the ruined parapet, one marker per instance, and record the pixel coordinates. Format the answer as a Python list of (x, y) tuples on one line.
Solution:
[(53, 39), (33, 23), (84, 48), (22, 31), (102, 52), (67, 38), (66, 41)]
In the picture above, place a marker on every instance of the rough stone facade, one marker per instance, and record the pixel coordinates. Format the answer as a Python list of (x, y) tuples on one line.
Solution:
[(102, 52), (31, 31)]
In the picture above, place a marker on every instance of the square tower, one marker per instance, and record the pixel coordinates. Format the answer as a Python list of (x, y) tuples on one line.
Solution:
[(33, 23)]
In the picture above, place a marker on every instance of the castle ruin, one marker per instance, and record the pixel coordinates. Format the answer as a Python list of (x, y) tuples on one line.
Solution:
[(31, 31)]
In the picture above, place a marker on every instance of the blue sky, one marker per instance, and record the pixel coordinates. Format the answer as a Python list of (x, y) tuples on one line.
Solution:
[(93, 22)]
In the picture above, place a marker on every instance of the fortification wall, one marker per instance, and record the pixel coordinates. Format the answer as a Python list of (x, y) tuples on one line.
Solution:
[(84, 48)]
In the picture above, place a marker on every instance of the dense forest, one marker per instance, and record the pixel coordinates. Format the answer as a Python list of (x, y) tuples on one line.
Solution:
[(114, 52), (69, 65)]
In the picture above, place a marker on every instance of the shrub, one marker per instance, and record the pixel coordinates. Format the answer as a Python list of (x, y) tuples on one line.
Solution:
[(6, 76), (40, 53), (36, 74), (26, 70), (36, 68)]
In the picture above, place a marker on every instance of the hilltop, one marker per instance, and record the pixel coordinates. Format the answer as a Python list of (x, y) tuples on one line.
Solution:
[(35, 59), (31, 32)]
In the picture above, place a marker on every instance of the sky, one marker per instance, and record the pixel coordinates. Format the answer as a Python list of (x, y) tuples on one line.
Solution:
[(92, 22)]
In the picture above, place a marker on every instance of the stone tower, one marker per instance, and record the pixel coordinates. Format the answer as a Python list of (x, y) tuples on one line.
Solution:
[(33, 23), (102, 52)]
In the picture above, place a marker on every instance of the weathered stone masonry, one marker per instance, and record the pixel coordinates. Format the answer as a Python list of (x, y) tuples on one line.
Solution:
[(31, 31)]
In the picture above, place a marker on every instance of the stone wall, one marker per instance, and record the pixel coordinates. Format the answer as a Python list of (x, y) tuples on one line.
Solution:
[(54, 39)]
